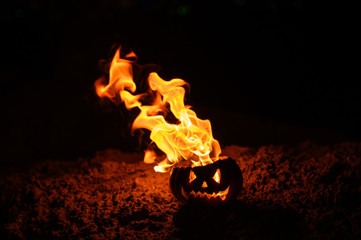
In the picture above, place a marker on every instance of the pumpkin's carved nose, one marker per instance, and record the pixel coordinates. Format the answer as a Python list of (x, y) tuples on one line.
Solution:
[(204, 185)]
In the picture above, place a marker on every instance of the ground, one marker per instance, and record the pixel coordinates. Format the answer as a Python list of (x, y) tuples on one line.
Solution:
[(289, 192)]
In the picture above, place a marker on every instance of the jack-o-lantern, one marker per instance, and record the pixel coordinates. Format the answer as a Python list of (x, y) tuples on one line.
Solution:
[(214, 183)]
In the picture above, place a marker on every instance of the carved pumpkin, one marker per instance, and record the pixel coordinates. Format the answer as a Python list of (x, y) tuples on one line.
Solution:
[(214, 183)]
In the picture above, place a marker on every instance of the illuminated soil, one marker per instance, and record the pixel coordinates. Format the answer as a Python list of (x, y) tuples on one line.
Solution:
[(300, 192)]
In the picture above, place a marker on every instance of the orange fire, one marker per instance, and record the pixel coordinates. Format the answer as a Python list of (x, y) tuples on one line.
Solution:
[(189, 139)]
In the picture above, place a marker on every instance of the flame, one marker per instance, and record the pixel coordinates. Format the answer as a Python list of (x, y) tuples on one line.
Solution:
[(189, 139)]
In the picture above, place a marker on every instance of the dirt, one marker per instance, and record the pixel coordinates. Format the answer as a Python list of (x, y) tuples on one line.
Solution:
[(290, 192)]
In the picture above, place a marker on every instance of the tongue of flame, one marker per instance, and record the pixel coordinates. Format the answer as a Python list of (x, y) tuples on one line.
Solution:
[(189, 139)]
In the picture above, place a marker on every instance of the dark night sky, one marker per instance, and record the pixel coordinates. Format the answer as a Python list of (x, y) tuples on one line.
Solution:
[(279, 71)]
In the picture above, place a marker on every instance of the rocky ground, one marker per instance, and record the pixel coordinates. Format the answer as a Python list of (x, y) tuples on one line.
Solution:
[(290, 192)]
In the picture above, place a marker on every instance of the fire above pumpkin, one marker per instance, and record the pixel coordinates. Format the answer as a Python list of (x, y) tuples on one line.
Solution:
[(189, 138)]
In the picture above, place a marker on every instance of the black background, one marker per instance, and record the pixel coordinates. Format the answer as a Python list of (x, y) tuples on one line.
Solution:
[(263, 72)]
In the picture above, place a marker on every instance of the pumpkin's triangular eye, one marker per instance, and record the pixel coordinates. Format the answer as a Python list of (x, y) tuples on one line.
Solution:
[(217, 176), (192, 176)]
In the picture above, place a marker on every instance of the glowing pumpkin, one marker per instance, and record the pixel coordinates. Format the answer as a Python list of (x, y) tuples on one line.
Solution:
[(214, 183)]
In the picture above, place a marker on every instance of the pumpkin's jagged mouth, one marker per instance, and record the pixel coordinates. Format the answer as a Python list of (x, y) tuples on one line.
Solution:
[(221, 194)]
